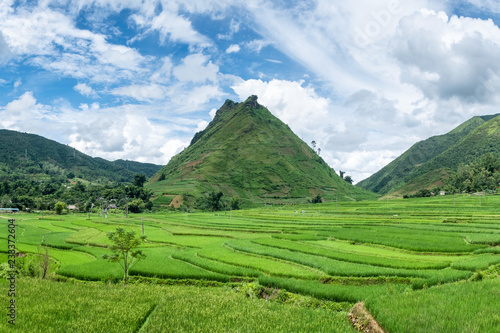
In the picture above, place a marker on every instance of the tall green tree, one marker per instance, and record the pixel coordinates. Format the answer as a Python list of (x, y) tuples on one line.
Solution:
[(139, 180), (60, 207), (123, 249)]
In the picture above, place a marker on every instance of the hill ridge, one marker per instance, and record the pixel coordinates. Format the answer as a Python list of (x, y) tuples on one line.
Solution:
[(28, 153), (247, 151), (437, 156)]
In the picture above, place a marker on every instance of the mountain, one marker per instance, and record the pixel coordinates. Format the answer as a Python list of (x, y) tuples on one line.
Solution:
[(30, 154), (429, 162), (248, 152)]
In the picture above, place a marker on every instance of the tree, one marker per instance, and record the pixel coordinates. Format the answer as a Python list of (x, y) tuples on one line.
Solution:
[(319, 151), (136, 206), (317, 199), (60, 207), (213, 200), (235, 203), (123, 247), (44, 263), (313, 144), (139, 180), (348, 179)]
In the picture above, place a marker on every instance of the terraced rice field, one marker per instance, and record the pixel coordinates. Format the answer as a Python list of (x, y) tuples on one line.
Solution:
[(358, 251)]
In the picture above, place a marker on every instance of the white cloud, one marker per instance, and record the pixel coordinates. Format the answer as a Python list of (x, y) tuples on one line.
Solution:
[(24, 113), (196, 68), (51, 40), (233, 48), (257, 45), (85, 90), (212, 113), (234, 27), (449, 57), (142, 93), (5, 53), (163, 74), (171, 26)]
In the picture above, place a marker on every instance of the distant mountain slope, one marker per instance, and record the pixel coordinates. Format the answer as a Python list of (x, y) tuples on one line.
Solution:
[(246, 151), (428, 161), (32, 154)]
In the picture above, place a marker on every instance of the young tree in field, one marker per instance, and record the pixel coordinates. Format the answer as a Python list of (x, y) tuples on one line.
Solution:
[(43, 255), (123, 248)]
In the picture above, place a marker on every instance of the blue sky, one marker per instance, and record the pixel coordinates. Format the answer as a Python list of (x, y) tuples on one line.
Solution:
[(137, 79)]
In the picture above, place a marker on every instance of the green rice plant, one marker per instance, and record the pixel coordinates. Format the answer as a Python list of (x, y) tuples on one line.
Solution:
[(57, 240), (159, 263), (495, 250), (477, 263), (343, 268), (46, 306), (213, 265), (88, 236), (96, 270), (332, 292), (49, 226), (28, 234), (488, 239), (187, 309), (470, 307), (264, 265), (417, 240), (374, 260), (387, 252)]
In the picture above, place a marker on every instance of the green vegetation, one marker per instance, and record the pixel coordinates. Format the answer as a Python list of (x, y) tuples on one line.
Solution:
[(124, 246), (461, 307), (383, 253), (29, 156), (88, 308), (430, 162), (247, 152)]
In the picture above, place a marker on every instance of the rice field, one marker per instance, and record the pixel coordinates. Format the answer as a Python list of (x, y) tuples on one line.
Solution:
[(346, 252)]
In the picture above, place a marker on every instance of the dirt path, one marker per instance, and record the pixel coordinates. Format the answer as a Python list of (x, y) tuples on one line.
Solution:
[(363, 321)]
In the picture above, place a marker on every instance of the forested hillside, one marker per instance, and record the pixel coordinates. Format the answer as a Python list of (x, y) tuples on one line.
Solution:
[(430, 162)]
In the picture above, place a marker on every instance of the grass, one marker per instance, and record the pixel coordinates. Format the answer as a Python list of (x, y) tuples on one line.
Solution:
[(94, 307), (350, 251), (462, 307)]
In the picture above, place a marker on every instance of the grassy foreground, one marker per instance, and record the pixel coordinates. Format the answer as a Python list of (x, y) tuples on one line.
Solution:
[(398, 256), (46, 306)]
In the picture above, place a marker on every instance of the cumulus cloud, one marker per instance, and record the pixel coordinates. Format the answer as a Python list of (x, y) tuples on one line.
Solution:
[(85, 90), (24, 113), (52, 41), (233, 48), (171, 26), (449, 57), (196, 68)]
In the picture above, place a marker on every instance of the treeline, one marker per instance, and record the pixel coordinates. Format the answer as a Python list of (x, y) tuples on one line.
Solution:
[(482, 175), (30, 194), (210, 201)]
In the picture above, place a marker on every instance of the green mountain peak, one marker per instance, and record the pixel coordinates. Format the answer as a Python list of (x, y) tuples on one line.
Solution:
[(247, 151)]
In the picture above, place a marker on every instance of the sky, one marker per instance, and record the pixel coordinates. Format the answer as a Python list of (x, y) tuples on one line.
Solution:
[(136, 79)]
